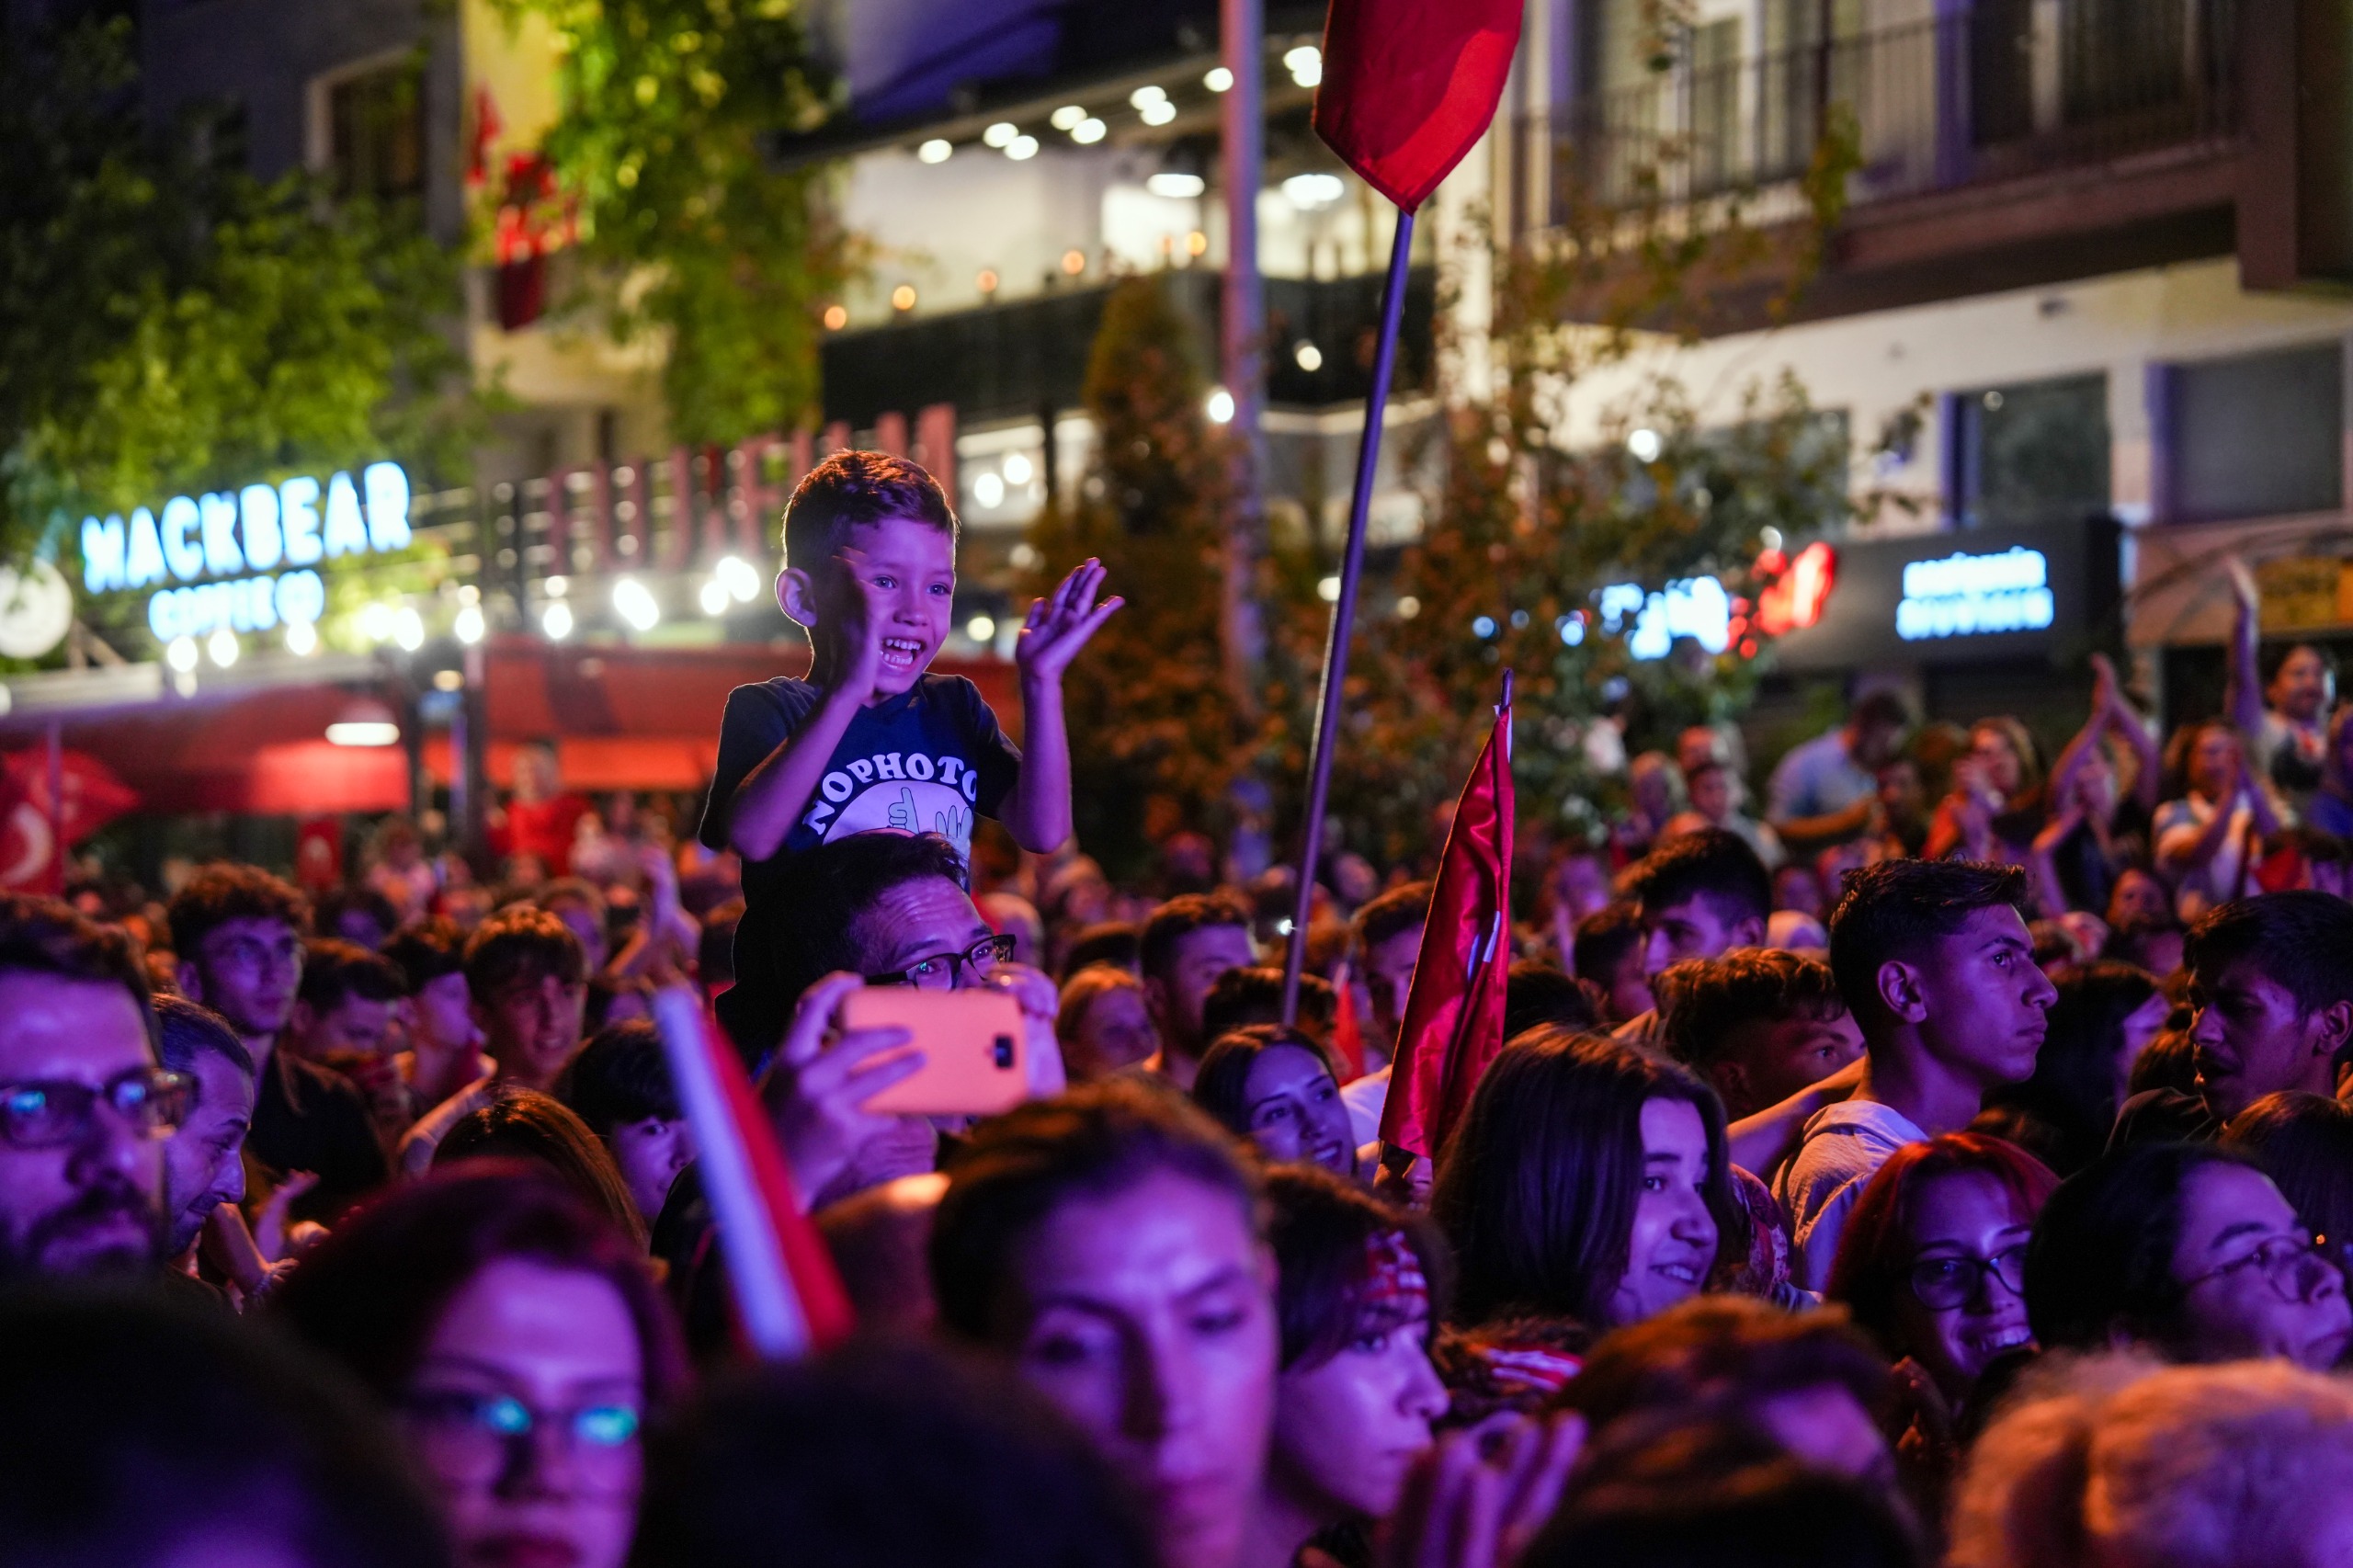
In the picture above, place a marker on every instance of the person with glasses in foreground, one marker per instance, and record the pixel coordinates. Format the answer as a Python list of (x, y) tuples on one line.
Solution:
[(84, 1107)]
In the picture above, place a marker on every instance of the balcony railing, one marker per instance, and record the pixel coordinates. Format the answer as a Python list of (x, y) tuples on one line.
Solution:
[(1989, 94)]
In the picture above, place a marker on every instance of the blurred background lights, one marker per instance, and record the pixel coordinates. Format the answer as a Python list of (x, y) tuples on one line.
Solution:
[(634, 603), (556, 620)]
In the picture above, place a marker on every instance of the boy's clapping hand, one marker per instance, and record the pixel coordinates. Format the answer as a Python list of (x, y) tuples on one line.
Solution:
[(1060, 624)]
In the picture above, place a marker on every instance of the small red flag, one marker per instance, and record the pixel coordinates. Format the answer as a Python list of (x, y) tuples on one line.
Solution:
[(1454, 1014), (1410, 87)]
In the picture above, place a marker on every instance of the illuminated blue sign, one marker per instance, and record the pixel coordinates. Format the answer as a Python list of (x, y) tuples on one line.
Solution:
[(1967, 596), (230, 545), (1697, 607)]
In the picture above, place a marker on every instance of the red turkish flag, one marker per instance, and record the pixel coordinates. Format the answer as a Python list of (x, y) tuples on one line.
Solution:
[(30, 855), (1454, 1014), (1410, 86)]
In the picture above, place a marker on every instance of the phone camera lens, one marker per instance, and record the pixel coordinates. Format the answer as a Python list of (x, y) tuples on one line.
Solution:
[(1004, 1050)]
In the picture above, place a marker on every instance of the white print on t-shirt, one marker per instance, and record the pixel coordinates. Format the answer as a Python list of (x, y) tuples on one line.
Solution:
[(904, 791)]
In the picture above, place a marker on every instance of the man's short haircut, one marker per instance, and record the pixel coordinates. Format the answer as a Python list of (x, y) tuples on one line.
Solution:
[(1254, 996), (1179, 918), (1890, 910), (48, 936), (2302, 940), (1603, 940), (1882, 710), (1726, 1352), (187, 1031), (1402, 908), (521, 942), (335, 970), (427, 949), (1117, 943), (857, 489), (328, 915), (619, 1077), (1702, 1001), (1537, 991), (1712, 862), (1092, 1142), (226, 891)]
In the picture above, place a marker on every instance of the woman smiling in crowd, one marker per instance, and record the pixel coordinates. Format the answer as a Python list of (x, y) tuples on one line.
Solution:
[(1275, 1087)]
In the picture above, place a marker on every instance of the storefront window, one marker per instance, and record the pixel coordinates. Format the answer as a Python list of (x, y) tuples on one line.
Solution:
[(2031, 452), (2257, 434)]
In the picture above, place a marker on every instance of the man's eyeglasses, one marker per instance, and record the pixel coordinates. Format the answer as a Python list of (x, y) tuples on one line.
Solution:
[(51, 1113), (2281, 1263), (941, 972), (472, 1439), (1940, 1284)]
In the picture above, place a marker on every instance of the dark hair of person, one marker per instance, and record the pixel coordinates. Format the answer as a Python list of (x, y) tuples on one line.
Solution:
[(1538, 991), (427, 950), (1402, 908), (1081, 991), (1881, 709), (1727, 1352), (523, 1124), (2302, 940), (1602, 941), (371, 1294), (1179, 918), (2304, 1144), (572, 890), (1221, 1086), (619, 1077), (1537, 1188), (333, 970), (1117, 944), (2065, 1112), (857, 489), (2169, 1061), (522, 943), (186, 1030), (1702, 1001), (1094, 1142), (889, 1455), (134, 1427), (1321, 1228), (1711, 862), (1875, 1250), (1242, 997), (226, 891), (48, 936), (327, 915), (2101, 1260), (1893, 909)]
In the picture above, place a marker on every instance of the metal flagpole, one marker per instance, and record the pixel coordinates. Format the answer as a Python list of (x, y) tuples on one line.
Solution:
[(1344, 608)]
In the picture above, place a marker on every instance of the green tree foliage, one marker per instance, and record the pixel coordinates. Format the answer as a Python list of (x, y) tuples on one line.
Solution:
[(167, 324), (688, 232)]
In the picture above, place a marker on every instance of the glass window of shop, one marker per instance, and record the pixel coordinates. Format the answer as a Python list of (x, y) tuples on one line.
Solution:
[(2257, 435), (2031, 452)]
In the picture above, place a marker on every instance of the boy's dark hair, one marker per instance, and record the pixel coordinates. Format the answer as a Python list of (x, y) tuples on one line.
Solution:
[(1400, 909), (327, 915), (1603, 940), (521, 942), (1702, 1001), (1115, 942), (187, 1031), (1538, 991), (226, 891), (334, 969), (1094, 1142), (1254, 996), (882, 1456), (132, 1427), (620, 1076), (48, 936), (2302, 940), (1892, 909), (2101, 1258), (1179, 918), (427, 949), (1321, 1227), (857, 489), (1712, 862), (1725, 1352)]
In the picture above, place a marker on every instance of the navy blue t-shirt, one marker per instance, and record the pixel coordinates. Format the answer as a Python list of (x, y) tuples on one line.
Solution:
[(923, 762)]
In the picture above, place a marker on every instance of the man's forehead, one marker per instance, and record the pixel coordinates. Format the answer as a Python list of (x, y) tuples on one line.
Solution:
[(1205, 941), (253, 928), (925, 907), (61, 1028)]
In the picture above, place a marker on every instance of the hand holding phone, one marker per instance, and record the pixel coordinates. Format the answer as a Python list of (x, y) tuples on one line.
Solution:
[(974, 1046)]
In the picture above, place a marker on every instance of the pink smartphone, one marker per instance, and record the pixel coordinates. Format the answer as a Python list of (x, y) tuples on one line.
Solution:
[(975, 1046)]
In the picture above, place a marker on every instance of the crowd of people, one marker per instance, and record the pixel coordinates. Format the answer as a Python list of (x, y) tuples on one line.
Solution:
[(1942, 1165)]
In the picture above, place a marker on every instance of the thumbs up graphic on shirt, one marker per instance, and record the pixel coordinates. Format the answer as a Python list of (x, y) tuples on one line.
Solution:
[(903, 815)]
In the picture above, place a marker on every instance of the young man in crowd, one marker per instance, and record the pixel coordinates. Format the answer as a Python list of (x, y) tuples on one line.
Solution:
[(237, 931), (2271, 978), (1701, 895), (84, 1105), (1606, 958), (444, 1054), (1936, 964), (204, 1160), (346, 1017), (1188, 944), (1387, 940), (1758, 1024)]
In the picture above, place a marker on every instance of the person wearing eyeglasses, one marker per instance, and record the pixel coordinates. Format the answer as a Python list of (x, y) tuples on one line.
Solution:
[(84, 1106), (520, 1344), (2186, 1249)]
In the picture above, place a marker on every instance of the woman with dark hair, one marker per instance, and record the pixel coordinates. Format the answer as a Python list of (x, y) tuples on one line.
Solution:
[(1275, 1087), (2304, 1144), (519, 1340), (2107, 1013), (523, 1124), (1587, 1181), (1362, 1288), (2188, 1249), (1997, 807)]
